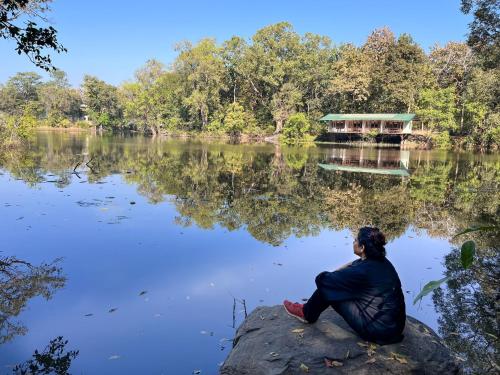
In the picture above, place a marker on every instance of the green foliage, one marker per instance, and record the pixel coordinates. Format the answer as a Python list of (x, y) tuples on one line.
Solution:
[(279, 73), (18, 22), (101, 99), (296, 128), (429, 287), (467, 253), (483, 36), (436, 108), (234, 120), (442, 140)]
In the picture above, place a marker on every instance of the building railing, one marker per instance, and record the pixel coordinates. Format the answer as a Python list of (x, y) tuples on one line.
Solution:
[(366, 130)]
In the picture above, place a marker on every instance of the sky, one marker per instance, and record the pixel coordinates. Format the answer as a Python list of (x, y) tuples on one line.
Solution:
[(113, 38)]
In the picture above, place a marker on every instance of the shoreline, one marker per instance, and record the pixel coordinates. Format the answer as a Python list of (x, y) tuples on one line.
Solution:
[(457, 141)]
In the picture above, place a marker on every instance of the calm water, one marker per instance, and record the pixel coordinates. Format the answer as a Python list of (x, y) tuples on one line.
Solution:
[(169, 232)]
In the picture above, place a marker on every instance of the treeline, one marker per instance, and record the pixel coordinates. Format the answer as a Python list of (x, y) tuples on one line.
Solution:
[(279, 82)]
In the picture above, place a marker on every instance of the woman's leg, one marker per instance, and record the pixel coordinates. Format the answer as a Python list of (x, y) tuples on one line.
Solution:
[(352, 314), (314, 307)]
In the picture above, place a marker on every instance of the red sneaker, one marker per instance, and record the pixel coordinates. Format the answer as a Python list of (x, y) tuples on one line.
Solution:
[(295, 309)]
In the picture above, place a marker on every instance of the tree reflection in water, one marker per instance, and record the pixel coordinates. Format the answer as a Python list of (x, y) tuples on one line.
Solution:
[(19, 282), (275, 192), (468, 310), (52, 360)]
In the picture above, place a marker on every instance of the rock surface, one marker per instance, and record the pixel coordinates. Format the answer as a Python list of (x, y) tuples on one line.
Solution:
[(270, 342)]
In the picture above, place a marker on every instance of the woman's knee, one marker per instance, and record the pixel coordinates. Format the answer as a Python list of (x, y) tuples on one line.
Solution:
[(318, 278)]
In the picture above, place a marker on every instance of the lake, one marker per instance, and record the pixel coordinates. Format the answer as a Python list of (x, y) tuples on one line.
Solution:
[(139, 248)]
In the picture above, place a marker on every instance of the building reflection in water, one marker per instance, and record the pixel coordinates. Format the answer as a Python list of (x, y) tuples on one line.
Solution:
[(369, 160)]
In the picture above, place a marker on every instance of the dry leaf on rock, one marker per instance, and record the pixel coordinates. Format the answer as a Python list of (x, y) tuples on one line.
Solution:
[(399, 358), (332, 363)]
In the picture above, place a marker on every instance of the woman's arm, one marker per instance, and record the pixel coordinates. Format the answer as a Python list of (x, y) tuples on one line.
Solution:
[(344, 266)]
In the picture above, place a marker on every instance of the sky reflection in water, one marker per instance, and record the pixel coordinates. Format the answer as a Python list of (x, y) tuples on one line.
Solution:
[(209, 222)]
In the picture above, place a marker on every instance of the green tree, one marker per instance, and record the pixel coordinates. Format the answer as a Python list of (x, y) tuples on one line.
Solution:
[(234, 120), (59, 100), (436, 109), (452, 66), (484, 35), (284, 104), (202, 71), (18, 91), (101, 99), (404, 74), (351, 81), (270, 63), (296, 127)]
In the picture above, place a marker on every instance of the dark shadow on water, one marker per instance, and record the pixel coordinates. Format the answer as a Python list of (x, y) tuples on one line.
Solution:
[(54, 359)]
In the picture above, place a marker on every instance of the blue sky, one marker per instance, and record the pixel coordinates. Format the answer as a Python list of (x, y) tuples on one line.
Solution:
[(111, 38)]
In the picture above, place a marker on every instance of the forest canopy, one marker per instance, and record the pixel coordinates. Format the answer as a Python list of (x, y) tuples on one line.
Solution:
[(254, 86)]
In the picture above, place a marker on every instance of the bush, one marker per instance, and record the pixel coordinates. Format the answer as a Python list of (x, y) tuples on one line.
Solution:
[(296, 128), (441, 140), (82, 124), (234, 119)]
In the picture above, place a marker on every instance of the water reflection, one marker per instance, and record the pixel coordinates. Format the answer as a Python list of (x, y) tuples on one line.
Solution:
[(468, 309), (376, 161), (20, 281), (266, 193), (53, 359)]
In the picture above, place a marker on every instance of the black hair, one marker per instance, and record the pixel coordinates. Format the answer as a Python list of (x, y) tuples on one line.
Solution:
[(374, 242)]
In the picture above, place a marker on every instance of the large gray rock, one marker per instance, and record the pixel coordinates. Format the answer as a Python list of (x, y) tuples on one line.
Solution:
[(270, 342)]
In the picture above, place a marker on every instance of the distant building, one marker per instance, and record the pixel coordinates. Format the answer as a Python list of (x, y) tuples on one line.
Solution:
[(362, 123)]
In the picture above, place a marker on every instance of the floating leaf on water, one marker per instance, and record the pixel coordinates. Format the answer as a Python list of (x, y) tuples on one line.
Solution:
[(113, 309), (115, 356), (304, 367), (143, 292), (196, 372), (298, 330), (332, 363)]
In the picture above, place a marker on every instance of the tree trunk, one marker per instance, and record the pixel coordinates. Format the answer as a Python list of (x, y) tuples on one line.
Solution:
[(462, 112), (279, 126)]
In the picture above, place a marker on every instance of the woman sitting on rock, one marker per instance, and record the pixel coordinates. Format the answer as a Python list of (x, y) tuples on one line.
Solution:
[(366, 293)]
